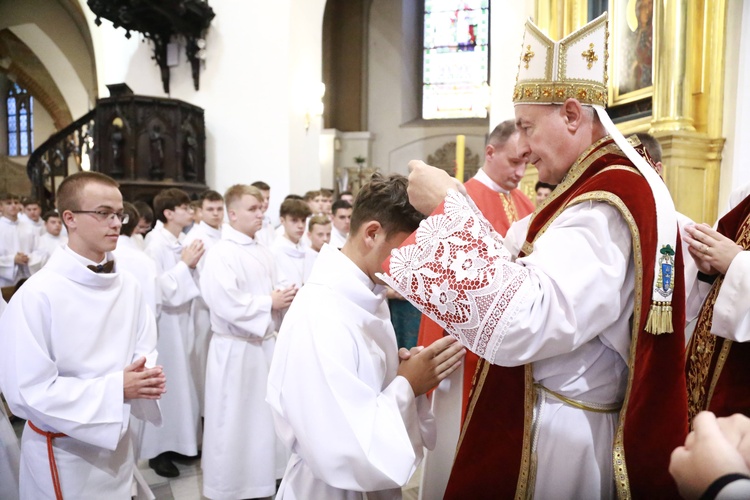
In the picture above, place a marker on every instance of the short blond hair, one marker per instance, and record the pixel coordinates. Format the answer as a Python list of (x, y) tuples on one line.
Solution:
[(236, 192), (320, 219)]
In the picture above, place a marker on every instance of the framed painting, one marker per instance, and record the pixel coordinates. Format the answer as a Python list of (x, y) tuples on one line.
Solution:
[(631, 63)]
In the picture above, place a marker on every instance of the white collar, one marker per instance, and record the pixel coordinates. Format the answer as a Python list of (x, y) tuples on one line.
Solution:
[(231, 234), (83, 260), (482, 177)]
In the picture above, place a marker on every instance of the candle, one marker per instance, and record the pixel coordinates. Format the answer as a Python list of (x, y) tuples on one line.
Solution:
[(460, 147)]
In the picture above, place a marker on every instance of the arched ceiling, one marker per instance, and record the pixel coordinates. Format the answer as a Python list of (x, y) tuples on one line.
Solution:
[(23, 66)]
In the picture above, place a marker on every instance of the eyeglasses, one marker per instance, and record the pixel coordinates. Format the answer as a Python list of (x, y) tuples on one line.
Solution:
[(105, 215)]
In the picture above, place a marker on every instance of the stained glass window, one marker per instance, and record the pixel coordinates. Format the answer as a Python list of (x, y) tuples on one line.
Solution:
[(20, 107), (455, 66)]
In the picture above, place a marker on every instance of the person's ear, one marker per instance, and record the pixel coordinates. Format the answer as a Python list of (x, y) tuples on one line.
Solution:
[(659, 167), (68, 218), (572, 111), (371, 230)]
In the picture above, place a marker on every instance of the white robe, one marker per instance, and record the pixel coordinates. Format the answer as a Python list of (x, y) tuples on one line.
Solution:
[(293, 262), (209, 236), (267, 234), (37, 227), (47, 244), (67, 335), (158, 225), (241, 455), (129, 258), (18, 237), (565, 308), (731, 318), (352, 425), (337, 238), (177, 289), (10, 450)]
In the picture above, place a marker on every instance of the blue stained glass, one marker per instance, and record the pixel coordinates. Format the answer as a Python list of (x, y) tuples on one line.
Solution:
[(20, 121), (12, 144), (23, 122)]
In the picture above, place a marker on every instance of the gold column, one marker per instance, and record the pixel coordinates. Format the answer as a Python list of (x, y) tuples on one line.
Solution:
[(560, 17), (687, 109), (672, 96)]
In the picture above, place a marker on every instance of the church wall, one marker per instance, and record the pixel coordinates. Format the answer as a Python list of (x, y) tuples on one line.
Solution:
[(395, 83), (261, 61), (44, 126)]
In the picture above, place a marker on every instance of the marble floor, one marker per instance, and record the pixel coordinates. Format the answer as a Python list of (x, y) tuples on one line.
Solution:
[(190, 483)]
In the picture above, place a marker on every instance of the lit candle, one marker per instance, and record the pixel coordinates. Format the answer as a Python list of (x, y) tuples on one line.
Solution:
[(460, 147)]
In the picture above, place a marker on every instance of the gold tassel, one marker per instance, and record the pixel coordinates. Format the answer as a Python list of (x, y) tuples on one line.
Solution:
[(659, 319)]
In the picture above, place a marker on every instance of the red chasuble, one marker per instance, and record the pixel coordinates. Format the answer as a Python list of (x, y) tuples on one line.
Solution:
[(494, 458), (501, 211), (717, 368)]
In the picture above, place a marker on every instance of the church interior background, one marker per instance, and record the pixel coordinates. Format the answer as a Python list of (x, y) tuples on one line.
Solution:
[(291, 92)]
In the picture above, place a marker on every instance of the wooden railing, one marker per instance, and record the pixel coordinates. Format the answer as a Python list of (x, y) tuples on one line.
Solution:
[(60, 155)]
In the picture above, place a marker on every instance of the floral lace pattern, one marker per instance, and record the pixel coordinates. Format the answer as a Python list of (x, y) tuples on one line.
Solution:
[(459, 274)]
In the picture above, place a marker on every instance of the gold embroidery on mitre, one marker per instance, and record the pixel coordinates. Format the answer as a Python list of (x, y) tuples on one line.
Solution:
[(590, 56), (555, 85), (527, 56)]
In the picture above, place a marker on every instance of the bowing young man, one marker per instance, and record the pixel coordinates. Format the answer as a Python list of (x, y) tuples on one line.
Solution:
[(337, 353), (77, 355)]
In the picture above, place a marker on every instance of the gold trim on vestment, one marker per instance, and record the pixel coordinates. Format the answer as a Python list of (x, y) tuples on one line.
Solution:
[(527, 474), (581, 405), (700, 352), (723, 355), (483, 367), (703, 344), (579, 167), (586, 159), (618, 450), (509, 207)]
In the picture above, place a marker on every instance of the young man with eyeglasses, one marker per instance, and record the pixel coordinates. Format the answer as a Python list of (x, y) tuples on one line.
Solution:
[(77, 355), (177, 287)]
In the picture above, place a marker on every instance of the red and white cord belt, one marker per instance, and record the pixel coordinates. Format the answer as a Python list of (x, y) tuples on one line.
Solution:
[(51, 455)]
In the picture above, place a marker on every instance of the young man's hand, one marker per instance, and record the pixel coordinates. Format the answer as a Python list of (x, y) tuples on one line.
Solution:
[(140, 382), (424, 368), (281, 299), (192, 253)]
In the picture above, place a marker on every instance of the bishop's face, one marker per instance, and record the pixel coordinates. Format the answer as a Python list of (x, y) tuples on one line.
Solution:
[(545, 140)]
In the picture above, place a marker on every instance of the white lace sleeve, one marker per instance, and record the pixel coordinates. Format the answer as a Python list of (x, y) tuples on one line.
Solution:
[(459, 274)]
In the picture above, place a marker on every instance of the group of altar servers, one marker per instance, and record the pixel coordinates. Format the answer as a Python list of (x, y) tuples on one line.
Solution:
[(208, 299)]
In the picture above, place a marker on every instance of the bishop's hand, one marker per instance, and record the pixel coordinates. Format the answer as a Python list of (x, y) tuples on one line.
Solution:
[(428, 186)]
